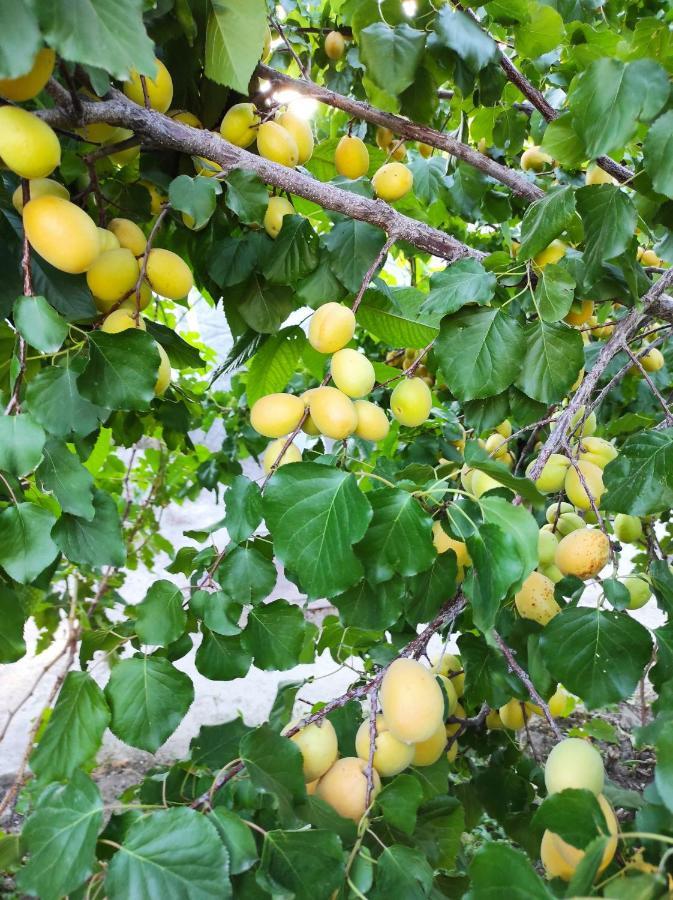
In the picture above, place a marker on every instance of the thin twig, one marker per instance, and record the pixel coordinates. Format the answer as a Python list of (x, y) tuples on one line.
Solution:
[(369, 769), (146, 255), (279, 28), (371, 271)]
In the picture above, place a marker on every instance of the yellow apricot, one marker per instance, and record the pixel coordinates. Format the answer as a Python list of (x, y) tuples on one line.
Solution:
[(449, 692), (495, 446), (159, 88), (575, 489), (344, 787), (399, 151), (391, 756), (425, 150), (384, 137), (574, 763), (112, 275), (597, 451), (513, 714), (373, 424), (451, 666), (61, 233), (426, 753), (452, 752), (168, 274), (583, 553), (300, 130), (291, 455), (560, 703), (352, 372), (311, 787), (482, 483), (493, 721), (107, 240), (443, 543), (351, 157), (277, 144), (535, 159), (27, 86), (596, 175), (206, 167), (28, 146), (129, 235), (628, 529), (639, 590), (653, 360), (164, 373), (331, 327), (266, 47), (39, 187), (411, 402), (121, 320), (157, 199), (335, 45), (453, 727), (411, 701), (133, 302), (276, 211), (551, 254), (240, 123), (551, 478), (536, 600), (649, 258), (560, 859), (504, 428), (319, 749), (186, 117), (580, 312), (333, 413), (276, 414), (392, 181)]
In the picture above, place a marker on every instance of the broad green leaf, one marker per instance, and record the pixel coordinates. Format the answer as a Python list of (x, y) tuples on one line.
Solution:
[(26, 546), (587, 868), (274, 635), (274, 765), (554, 293), (391, 55), (316, 514), (195, 197), (399, 801), (74, 731), (222, 657), (295, 253), (19, 42), (353, 246), (371, 606), (552, 359), (399, 538), (305, 865), (218, 610), (264, 307), (609, 219), (148, 698), (479, 352), (243, 502), (108, 34), (122, 369), (459, 32), (542, 33), (39, 324), (97, 542), (466, 281), (563, 143), (487, 676), (62, 474), (237, 837), (429, 177), (640, 480), (658, 154), (246, 196), (580, 647), (478, 458), (320, 286), (403, 873), (12, 644), (663, 773), (440, 830), (274, 364), (233, 259), (545, 220), (520, 524), (426, 592), (383, 320), (498, 869), (246, 575), (234, 41), (160, 618), (216, 745), (21, 444), (574, 815), (55, 402), (181, 354), (175, 854), (496, 566), (60, 837)]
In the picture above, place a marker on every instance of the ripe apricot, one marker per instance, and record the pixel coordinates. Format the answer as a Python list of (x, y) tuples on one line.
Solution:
[(186, 117), (576, 491), (482, 483), (333, 413), (580, 312), (561, 859), (107, 240), (392, 181), (551, 478), (597, 451), (411, 402), (276, 211), (649, 258), (535, 159), (561, 703), (399, 151), (493, 721), (411, 700), (331, 327), (164, 373), (129, 235), (159, 88), (351, 157), (352, 372), (384, 137), (536, 600), (27, 86), (583, 553), (28, 146), (443, 543), (276, 414), (551, 254), (513, 714), (426, 753), (574, 763), (240, 123), (111, 276), (121, 320), (277, 144), (168, 274), (628, 529), (319, 748), (391, 756), (373, 424), (653, 360), (451, 666), (133, 302), (291, 455), (596, 175), (61, 233), (344, 787), (495, 446), (425, 150), (39, 187), (335, 45), (300, 130), (453, 727)]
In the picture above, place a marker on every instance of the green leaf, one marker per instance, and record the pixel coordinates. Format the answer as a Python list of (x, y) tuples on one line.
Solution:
[(552, 359), (274, 765), (574, 815), (234, 41), (274, 635), (316, 514), (26, 546), (55, 402), (246, 196), (181, 354), (243, 502), (39, 324), (399, 538), (305, 865), (466, 281), (429, 177), (399, 801), (403, 873), (295, 252), (12, 644), (233, 260), (478, 458), (546, 219), (274, 364), (440, 830), (216, 745), (122, 369), (479, 352), (75, 730), (108, 34), (562, 142), (581, 645), (640, 480), (391, 55), (237, 837), (222, 657), (60, 836), (148, 698), (459, 32), (587, 868), (353, 246), (378, 316), (62, 474), (658, 154), (487, 676), (542, 33), (370, 606), (21, 444), (196, 197), (97, 542), (175, 854), (498, 869), (609, 219), (663, 773), (264, 307), (246, 575), (160, 618), (218, 610), (555, 293), (496, 566), (19, 42), (425, 592)]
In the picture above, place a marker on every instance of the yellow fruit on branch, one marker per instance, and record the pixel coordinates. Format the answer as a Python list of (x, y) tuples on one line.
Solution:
[(344, 787), (164, 373), (584, 483), (240, 123), (276, 414), (351, 157), (583, 553), (561, 859), (653, 360), (411, 402), (425, 150), (186, 117), (111, 276), (335, 45), (276, 211), (129, 235), (452, 667), (39, 187), (628, 529), (107, 240), (133, 301), (352, 372), (399, 151), (121, 320), (580, 312), (514, 714), (426, 753), (61, 233), (300, 130), (391, 756), (597, 451), (319, 749), (28, 146), (649, 258), (574, 763), (392, 181), (333, 413), (384, 137), (411, 701), (535, 159), (596, 175), (291, 455), (27, 86), (373, 424), (168, 274), (277, 144), (536, 599), (159, 88), (331, 327), (551, 254), (552, 477)]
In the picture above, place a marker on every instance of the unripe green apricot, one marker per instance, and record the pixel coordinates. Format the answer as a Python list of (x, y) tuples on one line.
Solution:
[(344, 787), (373, 424), (319, 748), (276, 211), (535, 600), (583, 553), (112, 275), (277, 144), (392, 181), (391, 756), (351, 157), (159, 88), (27, 86), (291, 455), (28, 146), (276, 414), (552, 476), (554, 510), (331, 327), (300, 130), (352, 372), (239, 125), (628, 529), (552, 572), (61, 233), (574, 763), (639, 590), (39, 187), (335, 45), (333, 413), (466, 476), (568, 522), (129, 235), (514, 714), (411, 701), (168, 274), (411, 402), (579, 495), (546, 547)]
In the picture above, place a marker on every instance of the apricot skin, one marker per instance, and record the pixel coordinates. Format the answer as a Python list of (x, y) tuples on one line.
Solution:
[(583, 553), (112, 275), (335, 45), (277, 144), (411, 402), (301, 132), (373, 424), (28, 146), (426, 753), (392, 181), (318, 746), (331, 327), (276, 414), (513, 715), (597, 451), (168, 274), (447, 664), (61, 233), (551, 478), (351, 157), (164, 373), (39, 187), (352, 372), (159, 88), (411, 700), (535, 159), (239, 125), (27, 86), (121, 320), (535, 600), (560, 859), (278, 208), (628, 529), (574, 763), (333, 413), (129, 235), (576, 491), (391, 756), (344, 787)]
